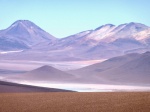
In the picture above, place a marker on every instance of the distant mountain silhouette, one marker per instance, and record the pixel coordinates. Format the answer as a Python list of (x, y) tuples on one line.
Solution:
[(44, 73)]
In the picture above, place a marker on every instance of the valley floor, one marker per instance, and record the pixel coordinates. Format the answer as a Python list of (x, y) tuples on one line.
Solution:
[(75, 102)]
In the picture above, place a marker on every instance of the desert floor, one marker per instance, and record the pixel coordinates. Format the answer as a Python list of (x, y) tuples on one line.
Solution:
[(75, 102)]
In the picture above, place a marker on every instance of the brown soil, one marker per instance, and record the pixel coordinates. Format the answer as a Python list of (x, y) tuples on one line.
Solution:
[(75, 102)]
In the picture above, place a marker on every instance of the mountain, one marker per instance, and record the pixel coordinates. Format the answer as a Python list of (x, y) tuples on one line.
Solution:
[(107, 33), (104, 42), (44, 73), (128, 69), (23, 34), (87, 38), (125, 31)]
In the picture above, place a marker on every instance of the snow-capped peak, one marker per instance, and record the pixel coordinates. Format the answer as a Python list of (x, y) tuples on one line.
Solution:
[(105, 26), (101, 32)]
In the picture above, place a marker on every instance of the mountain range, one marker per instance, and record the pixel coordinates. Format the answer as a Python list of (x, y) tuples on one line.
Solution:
[(127, 69), (104, 42)]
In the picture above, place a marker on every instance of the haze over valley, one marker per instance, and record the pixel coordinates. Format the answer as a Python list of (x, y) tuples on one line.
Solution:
[(31, 55)]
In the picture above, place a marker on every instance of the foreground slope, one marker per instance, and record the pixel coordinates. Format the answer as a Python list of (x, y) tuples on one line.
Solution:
[(8, 87)]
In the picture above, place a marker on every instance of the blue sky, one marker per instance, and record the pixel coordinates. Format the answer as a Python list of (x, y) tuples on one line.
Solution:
[(62, 18)]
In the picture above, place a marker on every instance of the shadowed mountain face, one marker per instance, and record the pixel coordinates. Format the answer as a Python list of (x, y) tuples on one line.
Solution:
[(8, 87), (127, 69), (44, 73), (104, 42), (23, 34)]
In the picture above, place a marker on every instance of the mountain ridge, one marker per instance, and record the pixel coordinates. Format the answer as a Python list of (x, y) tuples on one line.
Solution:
[(103, 42)]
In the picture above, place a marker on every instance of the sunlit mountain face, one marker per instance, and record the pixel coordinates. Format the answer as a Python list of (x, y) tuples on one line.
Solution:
[(103, 42)]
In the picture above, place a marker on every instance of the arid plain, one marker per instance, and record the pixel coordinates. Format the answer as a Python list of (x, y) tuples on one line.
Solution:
[(75, 102)]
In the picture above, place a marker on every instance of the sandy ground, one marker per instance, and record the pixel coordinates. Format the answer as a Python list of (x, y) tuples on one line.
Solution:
[(75, 102)]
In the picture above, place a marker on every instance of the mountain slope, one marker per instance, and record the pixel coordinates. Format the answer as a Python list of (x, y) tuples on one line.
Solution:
[(127, 69), (143, 36), (8, 87)]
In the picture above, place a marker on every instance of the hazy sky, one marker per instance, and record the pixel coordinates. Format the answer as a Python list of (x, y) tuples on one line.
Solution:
[(62, 18)]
